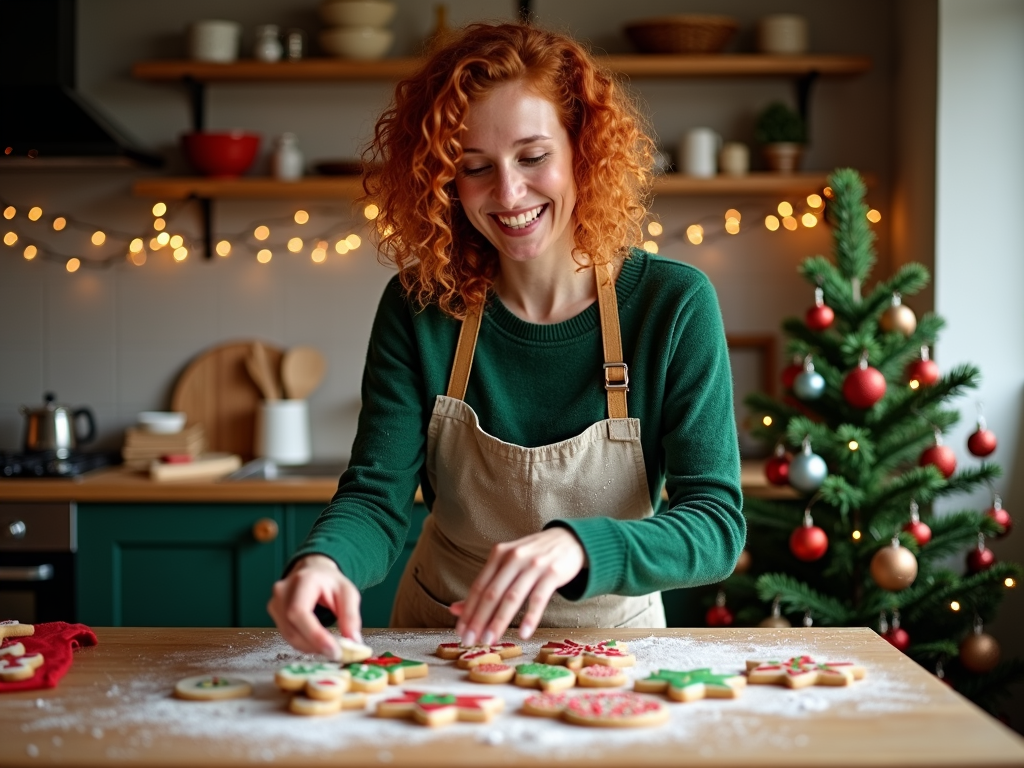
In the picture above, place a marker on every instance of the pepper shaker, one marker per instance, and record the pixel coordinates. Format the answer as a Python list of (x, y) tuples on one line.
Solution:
[(294, 44), (286, 161), (267, 46)]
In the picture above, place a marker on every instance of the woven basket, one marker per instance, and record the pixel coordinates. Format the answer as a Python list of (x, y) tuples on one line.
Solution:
[(682, 34)]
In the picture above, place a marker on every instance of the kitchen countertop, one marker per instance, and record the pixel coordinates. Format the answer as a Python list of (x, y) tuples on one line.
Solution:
[(114, 709), (119, 485)]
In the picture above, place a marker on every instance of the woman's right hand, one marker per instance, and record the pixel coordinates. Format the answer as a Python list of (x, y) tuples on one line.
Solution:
[(315, 580)]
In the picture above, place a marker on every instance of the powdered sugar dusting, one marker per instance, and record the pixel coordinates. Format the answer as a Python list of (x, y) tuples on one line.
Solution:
[(260, 728)]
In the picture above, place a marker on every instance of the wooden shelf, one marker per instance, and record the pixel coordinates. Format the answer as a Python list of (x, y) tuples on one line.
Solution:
[(635, 65), (342, 187)]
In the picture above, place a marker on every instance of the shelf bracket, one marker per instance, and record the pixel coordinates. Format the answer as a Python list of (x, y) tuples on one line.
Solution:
[(197, 101), (803, 97), (206, 222)]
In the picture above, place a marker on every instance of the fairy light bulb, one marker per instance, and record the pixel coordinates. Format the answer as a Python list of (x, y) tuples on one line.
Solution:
[(295, 244), (785, 209), (855, 535), (650, 246), (180, 253), (10, 212), (163, 238), (59, 223), (874, 216), (853, 445), (771, 222), (814, 200), (72, 265), (827, 192), (223, 248), (159, 225), (10, 238), (261, 232), (809, 220), (954, 606), (767, 421), (35, 213), (914, 384), (264, 255), (371, 212), (695, 234), (301, 217), (155, 244), (654, 228), (789, 223), (354, 241), (342, 247), (159, 209), (135, 246), (30, 252), (176, 241), (138, 259), (99, 237), (732, 226), (319, 253)]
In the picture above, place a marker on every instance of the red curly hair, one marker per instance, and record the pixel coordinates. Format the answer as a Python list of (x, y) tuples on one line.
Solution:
[(416, 150)]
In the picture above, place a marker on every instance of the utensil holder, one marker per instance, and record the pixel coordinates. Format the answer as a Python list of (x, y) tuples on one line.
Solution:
[(282, 431)]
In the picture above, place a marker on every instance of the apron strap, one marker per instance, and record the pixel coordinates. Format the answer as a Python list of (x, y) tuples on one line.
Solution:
[(459, 379), (616, 372)]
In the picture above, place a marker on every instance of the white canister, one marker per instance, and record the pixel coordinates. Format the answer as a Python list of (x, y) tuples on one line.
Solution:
[(267, 45), (783, 33), (282, 431), (214, 40), (699, 155), (286, 161), (734, 159)]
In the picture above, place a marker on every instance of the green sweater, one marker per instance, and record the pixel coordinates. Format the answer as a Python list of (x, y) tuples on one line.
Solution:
[(534, 385)]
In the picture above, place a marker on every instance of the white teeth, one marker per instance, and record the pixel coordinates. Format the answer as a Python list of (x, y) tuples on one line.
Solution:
[(520, 221)]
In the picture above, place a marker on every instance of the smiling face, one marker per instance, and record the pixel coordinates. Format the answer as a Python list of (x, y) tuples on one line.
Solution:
[(515, 182)]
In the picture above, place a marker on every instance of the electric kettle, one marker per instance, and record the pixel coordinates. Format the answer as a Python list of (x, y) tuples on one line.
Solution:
[(54, 428)]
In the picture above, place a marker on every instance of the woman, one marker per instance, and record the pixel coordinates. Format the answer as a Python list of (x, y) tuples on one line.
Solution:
[(511, 174)]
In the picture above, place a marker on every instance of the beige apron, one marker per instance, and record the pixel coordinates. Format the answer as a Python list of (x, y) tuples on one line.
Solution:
[(489, 491)]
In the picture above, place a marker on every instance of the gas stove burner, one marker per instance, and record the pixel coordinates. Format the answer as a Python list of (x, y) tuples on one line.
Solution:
[(47, 464)]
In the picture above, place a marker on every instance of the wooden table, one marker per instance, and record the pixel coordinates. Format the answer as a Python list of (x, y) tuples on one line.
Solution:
[(942, 730)]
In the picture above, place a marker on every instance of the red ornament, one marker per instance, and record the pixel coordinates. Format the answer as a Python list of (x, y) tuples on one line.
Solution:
[(1001, 516), (924, 372), (863, 386), (983, 441), (790, 372), (920, 531), (718, 616), (981, 558), (942, 457), (808, 542), (776, 469), (898, 639), (820, 316)]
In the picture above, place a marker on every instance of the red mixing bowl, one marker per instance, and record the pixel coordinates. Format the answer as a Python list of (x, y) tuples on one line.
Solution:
[(222, 155)]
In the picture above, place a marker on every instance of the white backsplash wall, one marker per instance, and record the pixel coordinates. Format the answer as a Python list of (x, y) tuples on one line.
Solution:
[(116, 339)]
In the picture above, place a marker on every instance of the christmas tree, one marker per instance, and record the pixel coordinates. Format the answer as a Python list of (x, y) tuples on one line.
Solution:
[(858, 435)]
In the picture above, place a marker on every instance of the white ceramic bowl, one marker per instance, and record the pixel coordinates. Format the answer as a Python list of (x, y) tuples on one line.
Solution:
[(162, 422), (362, 43), (357, 13)]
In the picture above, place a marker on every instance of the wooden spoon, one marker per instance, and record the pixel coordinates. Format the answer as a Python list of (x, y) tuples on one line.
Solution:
[(302, 370), (259, 368)]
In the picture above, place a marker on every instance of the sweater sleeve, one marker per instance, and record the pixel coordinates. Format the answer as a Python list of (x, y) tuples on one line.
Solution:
[(698, 537), (365, 526)]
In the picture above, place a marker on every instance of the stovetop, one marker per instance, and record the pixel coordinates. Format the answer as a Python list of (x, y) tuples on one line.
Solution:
[(47, 464)]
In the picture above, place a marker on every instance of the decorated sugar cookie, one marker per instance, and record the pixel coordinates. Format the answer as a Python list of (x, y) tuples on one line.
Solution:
[(803, 671), (601, 676), (368, 679), (574, 655), (546, 704), (436, 709), (12, 628), (548, 677), (491, 674), (305, 705), (14, 649), (618, 709), (327, 687), (399, 670), (692, 685), (212, 688), (14, 668), (293, 677), (476, 656), (352, 652), (453, 651)]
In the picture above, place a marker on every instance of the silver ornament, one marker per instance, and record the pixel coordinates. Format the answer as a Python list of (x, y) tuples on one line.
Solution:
[(807, 470), (809, 385)]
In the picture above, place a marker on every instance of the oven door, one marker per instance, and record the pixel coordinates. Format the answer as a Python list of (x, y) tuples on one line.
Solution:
[(37, 562)]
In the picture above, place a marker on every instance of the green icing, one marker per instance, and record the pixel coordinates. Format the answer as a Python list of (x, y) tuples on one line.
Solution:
[(436, 698), (309, 669), (681, 680), (367, 673), (543, 671)]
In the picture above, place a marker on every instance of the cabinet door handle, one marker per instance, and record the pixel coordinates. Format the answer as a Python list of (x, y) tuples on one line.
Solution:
[(42, 572), (265, 530)]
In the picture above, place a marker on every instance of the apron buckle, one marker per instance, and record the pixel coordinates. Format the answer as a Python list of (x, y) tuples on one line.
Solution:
[(611, 384)]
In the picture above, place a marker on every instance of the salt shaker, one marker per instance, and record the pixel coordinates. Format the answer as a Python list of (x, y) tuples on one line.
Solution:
[(286, 160), (267, 46), (295, 43)]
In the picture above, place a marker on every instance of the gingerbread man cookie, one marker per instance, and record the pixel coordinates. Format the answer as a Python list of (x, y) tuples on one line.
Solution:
[(491, 674), (548, 677), (12, 628), (803, 671), (293, 677), (692, 685), (212, 688), (574, 655), (436, 709), (399, 670), (601, 676)]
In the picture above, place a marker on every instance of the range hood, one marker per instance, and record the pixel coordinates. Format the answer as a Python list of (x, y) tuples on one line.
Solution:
[(45, 122)]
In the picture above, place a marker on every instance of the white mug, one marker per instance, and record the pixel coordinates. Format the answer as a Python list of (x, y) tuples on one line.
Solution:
[(700, 153), (282, 431), (734, 159), (214, 40), (784, 33)]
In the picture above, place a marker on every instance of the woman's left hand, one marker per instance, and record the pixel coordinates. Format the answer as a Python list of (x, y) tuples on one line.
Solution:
[(527, 570)]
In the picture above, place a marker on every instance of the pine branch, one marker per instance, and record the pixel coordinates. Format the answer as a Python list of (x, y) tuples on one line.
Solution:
[(988, 689), (967, 480), (977, 593), (920, 483), (797, 597), (949, 386), (854, 240), (935, 651), (823, 345), (952, 534), (818, 270), (767, 514)]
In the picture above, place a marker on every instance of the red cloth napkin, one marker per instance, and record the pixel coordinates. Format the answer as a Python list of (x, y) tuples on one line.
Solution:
[(55, 640)]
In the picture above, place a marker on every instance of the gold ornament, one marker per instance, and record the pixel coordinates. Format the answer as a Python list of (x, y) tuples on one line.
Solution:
[(898, 318), (743, 562), (775, 622), (894, 567), (979, 652)]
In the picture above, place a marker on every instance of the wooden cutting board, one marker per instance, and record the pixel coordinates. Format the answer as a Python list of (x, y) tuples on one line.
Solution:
[(216, 390)]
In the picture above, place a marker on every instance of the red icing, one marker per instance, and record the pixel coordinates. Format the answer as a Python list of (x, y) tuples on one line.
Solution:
[(492, 667), (612, 705), (601, 670)]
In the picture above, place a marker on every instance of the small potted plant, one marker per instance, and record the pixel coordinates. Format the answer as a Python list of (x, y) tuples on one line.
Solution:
[(782, 134)]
